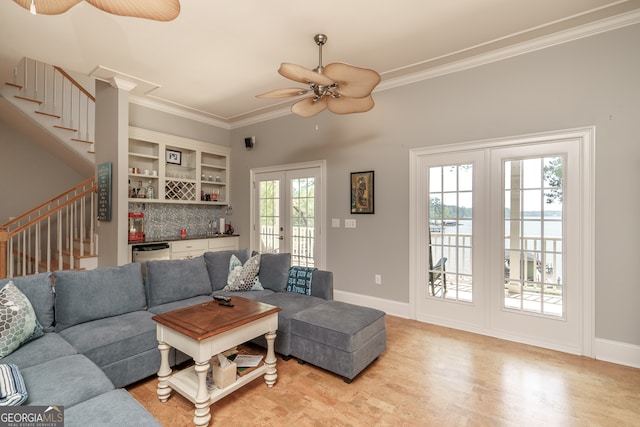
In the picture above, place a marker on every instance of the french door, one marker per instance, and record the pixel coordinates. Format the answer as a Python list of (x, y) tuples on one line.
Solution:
[(503, 239), (287, 212)]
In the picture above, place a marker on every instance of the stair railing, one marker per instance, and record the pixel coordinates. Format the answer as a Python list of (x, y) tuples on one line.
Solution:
[(39, 240), (58, 95)]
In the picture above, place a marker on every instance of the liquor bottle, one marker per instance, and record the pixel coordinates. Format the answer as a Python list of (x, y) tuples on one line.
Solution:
[(150, 191)]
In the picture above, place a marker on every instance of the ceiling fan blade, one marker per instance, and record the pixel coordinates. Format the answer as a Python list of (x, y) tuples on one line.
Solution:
[(301, 74), (346, 105), (308, 107), (45, 7), (283, 93), (354, 82), (157, 10)]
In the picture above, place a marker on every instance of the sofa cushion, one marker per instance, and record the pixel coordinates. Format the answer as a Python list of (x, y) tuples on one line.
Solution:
[(115, 338), (175, 305), (176, 279), (114, 408), (290, 304), (83, 296), (244, 276), (18, 321), (274, 271), (64, 381), (12, 389), (39, 290), (49, 346), (218, 266)]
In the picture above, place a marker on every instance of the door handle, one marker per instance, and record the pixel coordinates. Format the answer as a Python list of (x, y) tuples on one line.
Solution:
[(280, 237)]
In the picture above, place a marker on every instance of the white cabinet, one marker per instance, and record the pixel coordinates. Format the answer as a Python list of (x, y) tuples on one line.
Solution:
[(181, 249), (177, 169)]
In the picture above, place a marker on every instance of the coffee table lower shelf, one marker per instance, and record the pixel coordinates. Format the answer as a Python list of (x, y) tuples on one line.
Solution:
[(185, 382)]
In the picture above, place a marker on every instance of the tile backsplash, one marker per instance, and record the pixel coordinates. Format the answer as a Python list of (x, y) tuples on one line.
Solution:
[(163, 221)]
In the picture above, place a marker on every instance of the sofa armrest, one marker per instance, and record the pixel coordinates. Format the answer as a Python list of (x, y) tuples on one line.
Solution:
[(322, 284)]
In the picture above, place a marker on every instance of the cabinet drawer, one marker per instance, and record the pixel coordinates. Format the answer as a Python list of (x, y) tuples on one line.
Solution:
[(186, 254), (199, 245), (223, 244)]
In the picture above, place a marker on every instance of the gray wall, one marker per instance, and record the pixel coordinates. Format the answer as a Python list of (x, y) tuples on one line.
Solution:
[(159, 121), (29, 175), (593, 81)]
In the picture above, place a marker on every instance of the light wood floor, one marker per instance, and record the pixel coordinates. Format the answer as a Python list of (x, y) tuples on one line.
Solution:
[(429, 376)]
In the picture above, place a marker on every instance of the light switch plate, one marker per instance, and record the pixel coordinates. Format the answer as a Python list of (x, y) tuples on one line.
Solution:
[(349, 223), (335, 222)]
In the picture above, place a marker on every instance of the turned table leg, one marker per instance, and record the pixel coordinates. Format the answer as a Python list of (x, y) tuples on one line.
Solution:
[(164, 373), (272, 373), (203, 412)]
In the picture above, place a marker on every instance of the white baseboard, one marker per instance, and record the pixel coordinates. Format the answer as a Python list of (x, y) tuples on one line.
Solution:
[(605, 350), (394, 308), (617, 352)]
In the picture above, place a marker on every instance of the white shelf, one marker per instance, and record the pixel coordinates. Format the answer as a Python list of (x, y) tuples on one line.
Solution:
[(185, 382), (147, 151)]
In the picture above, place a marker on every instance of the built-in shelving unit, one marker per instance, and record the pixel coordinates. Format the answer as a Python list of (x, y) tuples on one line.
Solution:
[(174, 169)]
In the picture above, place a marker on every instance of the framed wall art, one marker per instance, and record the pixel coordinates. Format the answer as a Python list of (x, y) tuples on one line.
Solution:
[(362, 192), (174, 157)]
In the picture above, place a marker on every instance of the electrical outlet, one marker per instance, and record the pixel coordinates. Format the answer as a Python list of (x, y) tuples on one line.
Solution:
[(378, 279)]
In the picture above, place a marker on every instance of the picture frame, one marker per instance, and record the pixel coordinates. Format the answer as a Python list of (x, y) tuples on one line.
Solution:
[(362, 192), (174, 157)]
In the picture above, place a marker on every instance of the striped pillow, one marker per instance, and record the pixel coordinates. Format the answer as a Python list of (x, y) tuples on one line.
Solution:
[(12, 389)]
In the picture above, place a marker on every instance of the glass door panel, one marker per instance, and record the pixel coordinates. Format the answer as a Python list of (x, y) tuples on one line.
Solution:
[(533, 235), (450, 232)]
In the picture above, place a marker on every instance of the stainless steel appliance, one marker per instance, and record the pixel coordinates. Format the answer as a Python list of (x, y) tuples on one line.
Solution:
[(150, 252)]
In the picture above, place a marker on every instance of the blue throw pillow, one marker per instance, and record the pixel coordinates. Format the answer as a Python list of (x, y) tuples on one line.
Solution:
[(300, 280)]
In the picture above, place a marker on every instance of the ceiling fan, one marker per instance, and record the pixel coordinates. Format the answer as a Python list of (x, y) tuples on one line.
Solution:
[(157, 10), (340, 88)]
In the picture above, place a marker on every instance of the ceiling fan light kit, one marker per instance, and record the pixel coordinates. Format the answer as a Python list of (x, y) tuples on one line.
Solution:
[(341, 88), (156, 10)]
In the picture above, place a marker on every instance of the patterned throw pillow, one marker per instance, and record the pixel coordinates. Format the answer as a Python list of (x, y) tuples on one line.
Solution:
[(244, 277), (12, 389), (18, 322)]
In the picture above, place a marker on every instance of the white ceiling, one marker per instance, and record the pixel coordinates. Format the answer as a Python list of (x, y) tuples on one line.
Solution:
[(216, 56)]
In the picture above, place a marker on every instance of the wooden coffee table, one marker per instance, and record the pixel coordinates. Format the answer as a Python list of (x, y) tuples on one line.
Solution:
[(204, 330)]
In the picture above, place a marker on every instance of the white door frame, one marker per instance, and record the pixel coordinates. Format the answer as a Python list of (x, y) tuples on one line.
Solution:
[(322, 214), (586, 210)]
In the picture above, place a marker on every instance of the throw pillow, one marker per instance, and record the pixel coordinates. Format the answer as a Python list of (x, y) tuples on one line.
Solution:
[(300, 280), (243, 277), (18, 322), (12, 389), (274, 271)]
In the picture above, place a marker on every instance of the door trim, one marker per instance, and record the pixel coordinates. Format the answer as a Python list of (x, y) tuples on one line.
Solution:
[(322, 219), (586, 136)]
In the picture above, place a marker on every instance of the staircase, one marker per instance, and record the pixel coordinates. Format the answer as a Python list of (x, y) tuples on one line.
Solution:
[(61, 233), (55, 101)]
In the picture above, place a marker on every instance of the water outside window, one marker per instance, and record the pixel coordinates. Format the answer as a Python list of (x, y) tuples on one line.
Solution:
[(450, 232), (533, 224)]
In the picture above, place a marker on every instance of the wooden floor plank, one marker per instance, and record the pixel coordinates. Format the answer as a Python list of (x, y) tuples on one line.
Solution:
[(429, 376)]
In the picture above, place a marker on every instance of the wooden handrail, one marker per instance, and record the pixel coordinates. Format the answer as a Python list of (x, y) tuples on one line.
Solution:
[(75, 83), (41, 213), (48, 202), (52, 211)]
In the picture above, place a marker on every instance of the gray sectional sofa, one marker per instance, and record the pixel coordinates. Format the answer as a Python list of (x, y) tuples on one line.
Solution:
[(99, 335)]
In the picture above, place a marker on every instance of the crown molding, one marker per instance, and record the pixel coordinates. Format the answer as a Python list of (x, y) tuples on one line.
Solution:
[(495, 55)]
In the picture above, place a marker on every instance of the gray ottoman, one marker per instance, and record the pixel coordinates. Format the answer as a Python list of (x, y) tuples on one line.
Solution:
[(339, 337)]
